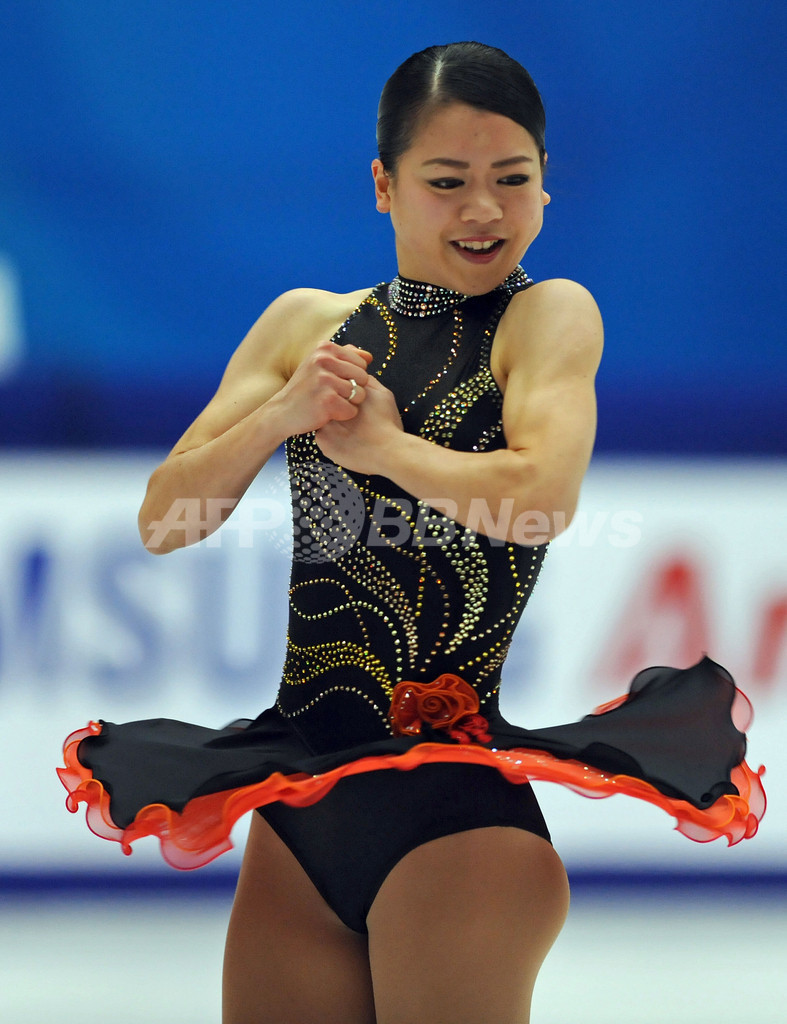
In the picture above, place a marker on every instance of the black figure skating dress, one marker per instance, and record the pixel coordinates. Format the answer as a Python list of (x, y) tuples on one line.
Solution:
[(399, 623)]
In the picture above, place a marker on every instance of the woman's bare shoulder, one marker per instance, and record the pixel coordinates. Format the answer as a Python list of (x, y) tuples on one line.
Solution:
[(552, 322), (553, 306), (302, 307), (291, 326), (557, 293)]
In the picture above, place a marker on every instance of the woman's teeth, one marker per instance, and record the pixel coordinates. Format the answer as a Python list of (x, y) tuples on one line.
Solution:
[(479, 246)]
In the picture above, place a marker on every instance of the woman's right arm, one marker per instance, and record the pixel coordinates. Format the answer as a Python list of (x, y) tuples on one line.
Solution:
[(282, 380)]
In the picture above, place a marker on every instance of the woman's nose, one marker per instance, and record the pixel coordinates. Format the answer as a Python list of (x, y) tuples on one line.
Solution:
[(481, 206)]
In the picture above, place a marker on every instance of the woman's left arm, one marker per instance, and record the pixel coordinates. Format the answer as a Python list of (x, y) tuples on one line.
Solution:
[(545, 356)]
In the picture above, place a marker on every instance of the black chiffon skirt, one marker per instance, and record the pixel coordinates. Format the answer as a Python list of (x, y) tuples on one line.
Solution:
[(676, 740)]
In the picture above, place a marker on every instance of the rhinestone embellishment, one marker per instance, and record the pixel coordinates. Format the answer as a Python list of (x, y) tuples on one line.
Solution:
[(416, 594), (417, 298)]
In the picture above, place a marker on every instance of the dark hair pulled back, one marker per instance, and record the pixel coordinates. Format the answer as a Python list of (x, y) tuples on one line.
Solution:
[(480, 76)]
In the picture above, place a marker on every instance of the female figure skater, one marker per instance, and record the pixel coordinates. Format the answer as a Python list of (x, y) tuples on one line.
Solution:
[(438, 428)]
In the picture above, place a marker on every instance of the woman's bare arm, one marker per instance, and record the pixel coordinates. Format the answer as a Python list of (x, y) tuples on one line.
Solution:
[(282, 380), (526, 492)]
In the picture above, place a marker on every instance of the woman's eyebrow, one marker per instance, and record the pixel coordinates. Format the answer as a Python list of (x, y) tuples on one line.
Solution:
[(463, 165)]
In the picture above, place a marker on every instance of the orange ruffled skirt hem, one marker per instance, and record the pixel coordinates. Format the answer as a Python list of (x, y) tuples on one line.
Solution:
[(200, 831)]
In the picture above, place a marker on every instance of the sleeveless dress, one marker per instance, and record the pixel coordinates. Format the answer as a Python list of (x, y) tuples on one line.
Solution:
[(400, 619)]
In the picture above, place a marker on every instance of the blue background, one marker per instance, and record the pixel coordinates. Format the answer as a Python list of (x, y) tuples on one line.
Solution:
[(167, 168)]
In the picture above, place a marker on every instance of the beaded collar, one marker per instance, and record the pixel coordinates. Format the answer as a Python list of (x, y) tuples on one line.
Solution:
[(417, 298)]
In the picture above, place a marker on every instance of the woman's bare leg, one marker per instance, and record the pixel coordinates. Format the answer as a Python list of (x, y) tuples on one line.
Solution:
[(461, 926), (288, 958)]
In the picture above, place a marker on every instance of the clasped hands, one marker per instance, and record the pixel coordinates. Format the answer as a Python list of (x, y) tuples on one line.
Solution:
[(354, 417), (358, 444)]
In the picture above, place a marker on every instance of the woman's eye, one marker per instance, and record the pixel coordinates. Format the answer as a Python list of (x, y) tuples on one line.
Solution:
[(445, 183), (515, 179)]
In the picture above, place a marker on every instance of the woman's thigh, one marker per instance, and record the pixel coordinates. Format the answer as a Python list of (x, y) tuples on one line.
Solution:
[(288, 958), (461, 926)]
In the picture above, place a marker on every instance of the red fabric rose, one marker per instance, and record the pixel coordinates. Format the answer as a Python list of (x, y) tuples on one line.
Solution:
[(469, 728), (447, 702)]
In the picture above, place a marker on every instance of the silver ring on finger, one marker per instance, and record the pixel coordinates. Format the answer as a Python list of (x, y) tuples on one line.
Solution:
[(354, 391)]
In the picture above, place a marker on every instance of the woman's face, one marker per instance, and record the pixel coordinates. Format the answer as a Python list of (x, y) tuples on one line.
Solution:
[(466, 200)]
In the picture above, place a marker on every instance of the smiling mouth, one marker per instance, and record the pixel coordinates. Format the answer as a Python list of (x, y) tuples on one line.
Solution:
[(479, 251)]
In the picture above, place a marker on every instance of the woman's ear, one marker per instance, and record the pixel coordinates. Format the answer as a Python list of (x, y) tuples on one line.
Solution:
[(546, 198), (382, 186)]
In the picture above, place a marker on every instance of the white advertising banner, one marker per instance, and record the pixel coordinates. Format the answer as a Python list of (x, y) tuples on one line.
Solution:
[(665, 561)]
